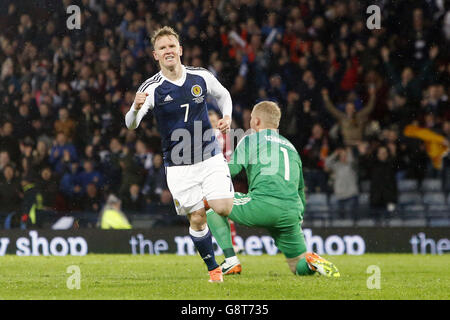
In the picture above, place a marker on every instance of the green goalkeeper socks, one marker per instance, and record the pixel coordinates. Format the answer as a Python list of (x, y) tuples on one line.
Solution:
[(220, 229), (303, 268)]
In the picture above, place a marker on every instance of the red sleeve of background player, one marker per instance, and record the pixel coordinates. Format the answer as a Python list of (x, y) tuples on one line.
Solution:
[(226, 146)]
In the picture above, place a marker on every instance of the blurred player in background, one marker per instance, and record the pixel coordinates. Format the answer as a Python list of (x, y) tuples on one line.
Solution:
[(222, 137), (224, 141), (195, 165), (276, 197)]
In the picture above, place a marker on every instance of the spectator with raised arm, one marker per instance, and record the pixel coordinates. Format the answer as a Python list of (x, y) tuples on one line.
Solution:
[(407, 83), (351, 122)]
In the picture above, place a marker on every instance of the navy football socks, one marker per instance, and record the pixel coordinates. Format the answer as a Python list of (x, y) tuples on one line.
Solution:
[(203, 243)]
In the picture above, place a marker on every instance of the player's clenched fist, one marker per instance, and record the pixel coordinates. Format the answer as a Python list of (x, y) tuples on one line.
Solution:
[(139, 99), (224, 124)]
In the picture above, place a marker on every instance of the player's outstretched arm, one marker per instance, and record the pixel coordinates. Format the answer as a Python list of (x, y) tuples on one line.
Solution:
[(137, 111), (330, 106)]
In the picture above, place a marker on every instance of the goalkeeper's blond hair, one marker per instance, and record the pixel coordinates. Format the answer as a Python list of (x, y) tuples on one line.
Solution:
[(269, 112), (164, 31)]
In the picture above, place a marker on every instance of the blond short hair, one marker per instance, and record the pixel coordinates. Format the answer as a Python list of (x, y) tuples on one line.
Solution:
[(164, 31), (269, 112)]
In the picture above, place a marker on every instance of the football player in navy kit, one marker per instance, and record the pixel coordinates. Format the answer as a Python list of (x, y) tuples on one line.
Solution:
[(195, 166)]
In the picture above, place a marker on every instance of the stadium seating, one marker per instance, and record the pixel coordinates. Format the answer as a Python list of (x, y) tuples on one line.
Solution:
[(332, 201), (317, 199), (425, 202), (364, 200), (412, 211), (434, 198), (365, 186), (438, 215), (408, 185), (409, 198), (431, 185), (318, 213)]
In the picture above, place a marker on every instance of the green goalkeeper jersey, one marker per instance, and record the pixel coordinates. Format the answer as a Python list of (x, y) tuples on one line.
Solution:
[(273, 167)]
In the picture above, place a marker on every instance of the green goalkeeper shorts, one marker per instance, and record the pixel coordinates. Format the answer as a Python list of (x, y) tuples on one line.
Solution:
[(283, 224)]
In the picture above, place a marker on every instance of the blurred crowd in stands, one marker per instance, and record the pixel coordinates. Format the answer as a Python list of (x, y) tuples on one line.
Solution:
[(359, 104)]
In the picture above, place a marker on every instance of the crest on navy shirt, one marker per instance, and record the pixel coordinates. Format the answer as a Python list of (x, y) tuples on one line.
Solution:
[(196, 90)]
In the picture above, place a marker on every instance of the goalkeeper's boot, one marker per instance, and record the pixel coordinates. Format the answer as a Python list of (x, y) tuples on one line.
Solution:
[(233, 267), (321, 265), (216, 275)]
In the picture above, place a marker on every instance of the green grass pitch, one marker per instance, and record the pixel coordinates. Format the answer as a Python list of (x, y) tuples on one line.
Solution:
[(403, 276)]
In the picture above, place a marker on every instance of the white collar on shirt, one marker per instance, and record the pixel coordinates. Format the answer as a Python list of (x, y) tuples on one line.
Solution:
[(178, 82)]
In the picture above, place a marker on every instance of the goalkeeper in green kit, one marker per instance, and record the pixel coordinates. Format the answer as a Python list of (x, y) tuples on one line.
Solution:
[(276, 198)]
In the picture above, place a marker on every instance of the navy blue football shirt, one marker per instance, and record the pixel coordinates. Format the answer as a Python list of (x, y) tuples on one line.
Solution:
[(182, 115)]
